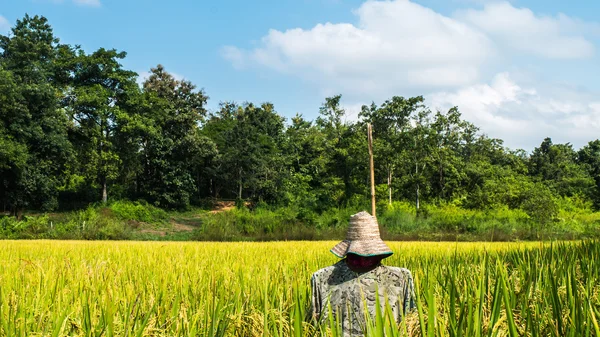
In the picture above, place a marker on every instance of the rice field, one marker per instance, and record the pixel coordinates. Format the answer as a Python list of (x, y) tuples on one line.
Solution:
[(76, 288)]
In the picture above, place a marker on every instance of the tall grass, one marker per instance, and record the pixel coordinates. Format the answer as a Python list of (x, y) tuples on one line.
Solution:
[(56, 288)]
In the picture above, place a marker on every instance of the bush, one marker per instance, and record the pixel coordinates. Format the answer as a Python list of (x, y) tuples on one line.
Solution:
[(28, 228), (138, 211), (540, 205)]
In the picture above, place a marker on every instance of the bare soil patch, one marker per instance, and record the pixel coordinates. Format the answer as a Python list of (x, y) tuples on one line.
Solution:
[(179, 227), (222, 206)]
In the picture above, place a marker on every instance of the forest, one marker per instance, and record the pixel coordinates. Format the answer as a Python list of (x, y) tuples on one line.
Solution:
[(77, 129)]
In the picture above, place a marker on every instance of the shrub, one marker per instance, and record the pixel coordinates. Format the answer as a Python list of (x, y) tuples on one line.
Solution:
[(138, 211)]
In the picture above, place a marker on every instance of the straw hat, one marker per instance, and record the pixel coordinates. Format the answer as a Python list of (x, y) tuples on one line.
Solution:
[(363, 238)]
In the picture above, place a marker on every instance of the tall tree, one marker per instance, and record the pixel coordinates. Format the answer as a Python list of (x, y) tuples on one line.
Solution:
[(175, 150), (304, 147), (419, 155), (218, 128), (556, 165), (391, 123), (447, 168), (99, 88), (255, 151), (32, 127), (589, 157), (335, 132)]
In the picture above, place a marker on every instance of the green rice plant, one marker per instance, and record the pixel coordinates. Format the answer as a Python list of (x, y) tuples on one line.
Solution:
[(95, 288)]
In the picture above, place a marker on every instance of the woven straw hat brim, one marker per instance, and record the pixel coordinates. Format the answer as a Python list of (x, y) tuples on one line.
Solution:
[(340, 250), (371, 247)]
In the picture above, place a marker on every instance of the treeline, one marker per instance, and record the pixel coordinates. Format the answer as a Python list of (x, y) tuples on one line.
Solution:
[(76, 128)]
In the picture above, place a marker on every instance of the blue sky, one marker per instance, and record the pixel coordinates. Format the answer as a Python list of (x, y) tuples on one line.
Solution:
[(520, 70)]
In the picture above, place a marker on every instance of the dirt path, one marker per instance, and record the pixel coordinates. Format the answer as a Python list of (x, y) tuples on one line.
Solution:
[(179, 227), (185, 224)]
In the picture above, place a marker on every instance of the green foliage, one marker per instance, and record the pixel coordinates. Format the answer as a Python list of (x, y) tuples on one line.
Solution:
[(33, 131), (91, 223), (95, 105), (174, 150), (589, 158), (540, 205), (28, 227), (138, 211), (258, 224), (250, 164), (556, 165), (399, 221)]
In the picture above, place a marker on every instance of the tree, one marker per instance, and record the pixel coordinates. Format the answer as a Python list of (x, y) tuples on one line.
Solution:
[(419, 158), (218, 128), (589, 157), (33, 130), (303, 148), (255, 153), (539, 203), (174, 148), (99, 88), (391, 123), (447, 166), (492, 176), (335, 132), (556, 165)]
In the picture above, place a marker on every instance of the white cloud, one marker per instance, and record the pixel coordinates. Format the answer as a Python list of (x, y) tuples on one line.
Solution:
[(559, 37), (352, 110), (234, 55), (396, 44), (90, 3), (524, 116), (4, 24), (399, 47)]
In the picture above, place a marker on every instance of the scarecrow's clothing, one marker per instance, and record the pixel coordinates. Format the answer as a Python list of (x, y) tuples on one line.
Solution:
[(347, 291)]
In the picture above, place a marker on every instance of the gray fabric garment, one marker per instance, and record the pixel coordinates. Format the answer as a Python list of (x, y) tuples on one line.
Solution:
[(347, 291)]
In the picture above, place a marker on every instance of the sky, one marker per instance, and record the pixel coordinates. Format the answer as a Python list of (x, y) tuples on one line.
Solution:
[(520, 70)]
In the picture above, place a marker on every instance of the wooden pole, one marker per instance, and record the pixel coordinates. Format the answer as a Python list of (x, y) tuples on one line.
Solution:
[(370, 137)]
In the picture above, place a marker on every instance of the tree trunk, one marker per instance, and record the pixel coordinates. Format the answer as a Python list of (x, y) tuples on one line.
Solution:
[(104, 192), (390, 186), (198, 187), (102, 163), (417, 189), (18, 213), (417, 204), (240, 185), (417, 180), (442, 185), (372, 169)]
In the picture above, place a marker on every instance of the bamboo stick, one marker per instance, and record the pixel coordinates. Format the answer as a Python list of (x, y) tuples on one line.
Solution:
[(370, 138)]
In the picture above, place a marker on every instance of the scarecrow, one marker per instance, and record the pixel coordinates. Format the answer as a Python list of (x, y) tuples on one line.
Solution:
[(350, 284)]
